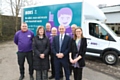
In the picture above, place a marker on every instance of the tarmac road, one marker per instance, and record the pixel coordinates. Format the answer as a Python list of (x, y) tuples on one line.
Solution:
[(9, 67)]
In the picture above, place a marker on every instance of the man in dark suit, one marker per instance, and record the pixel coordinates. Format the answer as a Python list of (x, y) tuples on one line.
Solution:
[(60, 48)]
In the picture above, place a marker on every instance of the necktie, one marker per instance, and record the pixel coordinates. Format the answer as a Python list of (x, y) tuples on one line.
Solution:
[(61, 40)]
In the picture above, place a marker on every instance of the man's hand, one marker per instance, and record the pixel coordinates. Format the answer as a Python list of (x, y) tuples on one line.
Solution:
[(60, 55), (57, 54), (42, 56)]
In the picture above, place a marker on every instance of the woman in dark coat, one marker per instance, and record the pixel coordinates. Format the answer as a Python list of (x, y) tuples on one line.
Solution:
[(41, 56), (77, 53)]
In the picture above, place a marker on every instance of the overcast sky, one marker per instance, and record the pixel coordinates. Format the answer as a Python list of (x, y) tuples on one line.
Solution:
[(108, 2), (94, 2), (6, 7)]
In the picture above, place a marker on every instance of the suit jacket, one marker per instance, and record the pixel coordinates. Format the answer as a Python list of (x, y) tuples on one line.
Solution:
[(65, 48), (81, 52)]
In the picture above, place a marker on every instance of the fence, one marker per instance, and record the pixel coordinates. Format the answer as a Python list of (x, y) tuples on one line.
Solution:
[(8, 27)]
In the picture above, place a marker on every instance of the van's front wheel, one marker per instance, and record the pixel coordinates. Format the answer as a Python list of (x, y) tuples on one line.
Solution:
[(110, 57)]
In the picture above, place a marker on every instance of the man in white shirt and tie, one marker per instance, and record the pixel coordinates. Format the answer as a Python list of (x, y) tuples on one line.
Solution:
[(61, 48)]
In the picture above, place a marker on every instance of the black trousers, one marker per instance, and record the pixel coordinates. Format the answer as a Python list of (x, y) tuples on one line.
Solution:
[(71, 69), (53, 67), (21, 59), (58, 65), (77, 73), (42, 75)]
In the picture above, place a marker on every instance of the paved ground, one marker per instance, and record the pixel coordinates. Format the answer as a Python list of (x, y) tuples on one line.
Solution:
[(9, 68)]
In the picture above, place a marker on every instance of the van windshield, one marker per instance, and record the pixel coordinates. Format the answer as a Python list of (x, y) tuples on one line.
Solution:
[(110, 30)]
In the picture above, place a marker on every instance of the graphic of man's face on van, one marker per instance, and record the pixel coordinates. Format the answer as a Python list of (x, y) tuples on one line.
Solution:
[(64, 16)]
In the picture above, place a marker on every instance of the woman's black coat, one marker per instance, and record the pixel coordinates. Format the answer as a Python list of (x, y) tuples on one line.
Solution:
[(81, 52), (40, 46)]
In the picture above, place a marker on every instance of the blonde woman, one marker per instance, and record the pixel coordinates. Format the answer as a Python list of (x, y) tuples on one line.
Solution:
[(77, 53)]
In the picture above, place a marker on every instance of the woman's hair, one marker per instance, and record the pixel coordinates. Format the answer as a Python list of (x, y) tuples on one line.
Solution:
[(75, 36), (40, 27)]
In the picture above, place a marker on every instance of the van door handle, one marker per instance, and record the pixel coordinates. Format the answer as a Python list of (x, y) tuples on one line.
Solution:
[(88, 38)]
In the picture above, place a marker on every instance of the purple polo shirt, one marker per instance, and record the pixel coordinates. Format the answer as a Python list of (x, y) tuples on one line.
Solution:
[(72, 35), (48, 34), (24, 40), (51, 40)]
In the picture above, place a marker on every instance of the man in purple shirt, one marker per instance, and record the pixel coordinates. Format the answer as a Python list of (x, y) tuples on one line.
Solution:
[(23, 39), (48, 30), (53, 33), (73, 27)]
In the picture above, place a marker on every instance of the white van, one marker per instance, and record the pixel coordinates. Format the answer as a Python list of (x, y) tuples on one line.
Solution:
[(102, 41)]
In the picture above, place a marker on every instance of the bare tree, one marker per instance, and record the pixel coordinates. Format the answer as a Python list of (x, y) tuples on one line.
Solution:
[(0, 22), (30, 2), (16, 5)]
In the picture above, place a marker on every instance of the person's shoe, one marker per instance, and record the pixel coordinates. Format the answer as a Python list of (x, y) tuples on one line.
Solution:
[(21, 77), (51, 77), (31, 77)]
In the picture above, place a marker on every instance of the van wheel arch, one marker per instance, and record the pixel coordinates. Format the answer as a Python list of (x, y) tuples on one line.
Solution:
[(110, 57)]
